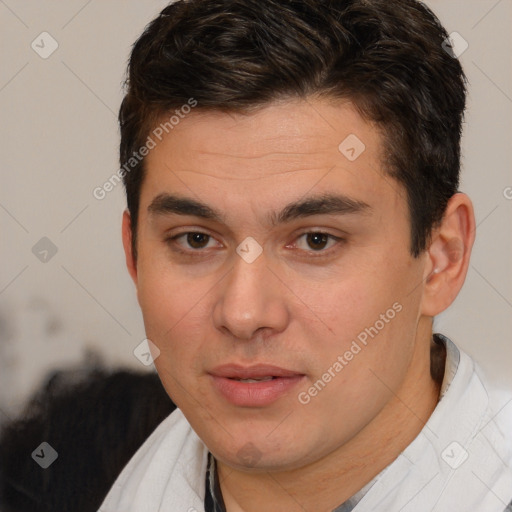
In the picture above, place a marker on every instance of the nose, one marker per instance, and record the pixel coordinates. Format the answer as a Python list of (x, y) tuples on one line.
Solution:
[(251, 300)]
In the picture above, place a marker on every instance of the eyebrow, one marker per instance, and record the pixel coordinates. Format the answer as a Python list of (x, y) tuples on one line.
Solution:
[(325, 204)]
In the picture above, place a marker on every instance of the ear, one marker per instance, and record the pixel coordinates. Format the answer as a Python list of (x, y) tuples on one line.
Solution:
[(131, 263), (448, 255)]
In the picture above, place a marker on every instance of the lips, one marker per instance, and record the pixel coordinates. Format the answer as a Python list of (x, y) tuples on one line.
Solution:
[(253, 386)]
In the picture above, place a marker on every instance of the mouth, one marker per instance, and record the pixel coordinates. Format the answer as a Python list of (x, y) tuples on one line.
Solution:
[(254, 372), (253, 386), (262, 379)]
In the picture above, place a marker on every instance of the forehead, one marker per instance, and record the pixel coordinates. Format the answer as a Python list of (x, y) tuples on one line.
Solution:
[(292, 131), (283, 150)]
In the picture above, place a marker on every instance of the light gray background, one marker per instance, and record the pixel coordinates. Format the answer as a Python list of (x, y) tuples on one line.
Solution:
[(59, 140)]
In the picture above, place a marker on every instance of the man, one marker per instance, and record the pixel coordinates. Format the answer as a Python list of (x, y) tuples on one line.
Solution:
[(293, 227)]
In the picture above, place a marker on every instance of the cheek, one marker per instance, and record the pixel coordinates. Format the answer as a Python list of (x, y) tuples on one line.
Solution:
[(167, 295), (355, 379), (167, 320), (176, 309), (349, 304), (372, 318)]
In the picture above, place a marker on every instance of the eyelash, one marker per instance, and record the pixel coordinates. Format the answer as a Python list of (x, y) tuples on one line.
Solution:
[(171, 241)]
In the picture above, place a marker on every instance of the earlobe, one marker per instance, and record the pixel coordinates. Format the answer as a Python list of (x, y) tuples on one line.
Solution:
[(448, 255), (127, 234)]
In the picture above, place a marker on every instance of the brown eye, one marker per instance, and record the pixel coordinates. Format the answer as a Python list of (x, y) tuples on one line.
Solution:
[(198, 240), (317, 241), (192, 242)]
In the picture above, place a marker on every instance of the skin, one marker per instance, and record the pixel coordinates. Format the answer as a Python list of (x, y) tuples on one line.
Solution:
[(296, 306)]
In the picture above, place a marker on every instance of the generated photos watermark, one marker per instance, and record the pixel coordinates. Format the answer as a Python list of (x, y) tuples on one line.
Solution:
[(153, 139), (356, 347)]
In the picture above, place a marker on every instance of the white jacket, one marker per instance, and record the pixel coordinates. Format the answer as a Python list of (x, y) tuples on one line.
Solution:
[(460, 462)]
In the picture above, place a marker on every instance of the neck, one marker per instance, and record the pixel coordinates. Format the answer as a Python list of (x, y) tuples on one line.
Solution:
[(327, 483)]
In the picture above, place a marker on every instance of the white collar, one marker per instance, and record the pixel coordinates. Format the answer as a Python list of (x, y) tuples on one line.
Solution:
[(461, 460)]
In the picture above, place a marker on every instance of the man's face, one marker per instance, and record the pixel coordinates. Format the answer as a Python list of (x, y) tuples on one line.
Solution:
[(347, 293)]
